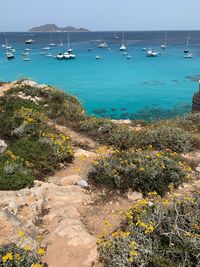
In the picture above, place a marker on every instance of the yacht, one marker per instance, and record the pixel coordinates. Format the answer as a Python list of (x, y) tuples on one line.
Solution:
[(151, 53), (27, 49), (69, 54), (49, 55), (187, 44), (123, 47), (46, 48), (60, 56), (98, 57), (188, 55), (51, 42), (26, 58), (29, 41), (10, 55), (164, 46), (103, 45), (66, 55)]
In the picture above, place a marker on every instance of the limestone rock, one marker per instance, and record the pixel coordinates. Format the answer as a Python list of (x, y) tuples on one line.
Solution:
[(3, 146), (83, 183), (134, 195)]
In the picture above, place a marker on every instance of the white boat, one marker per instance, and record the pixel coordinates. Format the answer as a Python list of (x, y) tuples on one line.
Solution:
[(27, 49), (129, 57), (29, 41), (164, 46), (187, 44), (51, 42), (66, 55), (25, 53), (123, 47), (144, 49), (103, 45), (10, 55), (49, 55), (189, 55), (69, 54), (26, 58), (60, 56), (46, 48), (151, 53), (98, 57)]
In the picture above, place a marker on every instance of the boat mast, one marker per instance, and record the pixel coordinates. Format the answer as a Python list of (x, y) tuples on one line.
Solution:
[(123, 39), (166, 39), (188, 40), (68, 40)]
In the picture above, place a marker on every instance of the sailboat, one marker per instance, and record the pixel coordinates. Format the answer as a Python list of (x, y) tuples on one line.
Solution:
[(10, 55), (60, 44), (123, 47), (187, 44), (151, 53), (52, 43), (164, 46), (69, 54)]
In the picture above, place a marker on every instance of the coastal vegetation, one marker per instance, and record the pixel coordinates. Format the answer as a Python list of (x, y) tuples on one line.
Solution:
[(156, 232), (20, 254), (161, 229), (141, 170)]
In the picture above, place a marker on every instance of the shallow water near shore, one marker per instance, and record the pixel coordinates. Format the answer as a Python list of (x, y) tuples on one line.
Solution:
[(139, 88)]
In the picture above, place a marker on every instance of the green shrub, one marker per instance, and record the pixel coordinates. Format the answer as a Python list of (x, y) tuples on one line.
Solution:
[(44, 153), (165, 136), (107, 132), (156, 233), (15, 172), (143, 171), (55, 103), (189, 122)]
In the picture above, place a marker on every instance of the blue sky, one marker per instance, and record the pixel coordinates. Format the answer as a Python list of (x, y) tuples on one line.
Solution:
[(20, 15)]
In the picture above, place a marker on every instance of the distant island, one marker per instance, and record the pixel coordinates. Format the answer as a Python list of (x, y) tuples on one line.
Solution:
[(54, 28)]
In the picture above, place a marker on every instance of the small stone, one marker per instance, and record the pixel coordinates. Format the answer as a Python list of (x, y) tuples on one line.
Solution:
[(198, 169), (83, 184), (134, 195)]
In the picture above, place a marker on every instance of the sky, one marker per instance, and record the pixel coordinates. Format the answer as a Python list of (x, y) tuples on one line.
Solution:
[(97, 15)]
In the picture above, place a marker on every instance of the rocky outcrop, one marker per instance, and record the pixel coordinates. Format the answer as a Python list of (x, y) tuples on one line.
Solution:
[(196, 102), (52, 209)]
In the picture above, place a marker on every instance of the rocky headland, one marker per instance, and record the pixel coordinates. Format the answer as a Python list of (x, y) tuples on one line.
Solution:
[(55, 28)]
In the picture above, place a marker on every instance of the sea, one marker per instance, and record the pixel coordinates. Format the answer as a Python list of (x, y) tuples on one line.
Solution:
[(147, 88)]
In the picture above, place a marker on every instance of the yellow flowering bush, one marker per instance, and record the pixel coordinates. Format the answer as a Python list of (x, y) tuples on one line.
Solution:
[(160, 235), (140, 170), (165, 135), (19, 254)]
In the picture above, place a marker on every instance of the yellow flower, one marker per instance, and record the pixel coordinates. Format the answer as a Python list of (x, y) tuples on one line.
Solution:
[(150, 146), (7, 257), (21, 234), (40, 237), (36, 265), (141, 169), (41, 251), (27, 248)]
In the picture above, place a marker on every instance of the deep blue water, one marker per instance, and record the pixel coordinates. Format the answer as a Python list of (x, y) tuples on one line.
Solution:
[(141, 88)]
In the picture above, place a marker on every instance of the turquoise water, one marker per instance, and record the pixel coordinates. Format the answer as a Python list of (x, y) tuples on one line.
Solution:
[(142, 88)]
